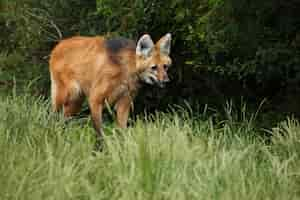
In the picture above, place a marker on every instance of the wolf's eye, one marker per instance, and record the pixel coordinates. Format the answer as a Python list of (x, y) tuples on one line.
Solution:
[(154, 67), (166, 67)]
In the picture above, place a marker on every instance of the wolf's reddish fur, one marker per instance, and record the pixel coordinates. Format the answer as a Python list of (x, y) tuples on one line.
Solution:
[(105, 70)]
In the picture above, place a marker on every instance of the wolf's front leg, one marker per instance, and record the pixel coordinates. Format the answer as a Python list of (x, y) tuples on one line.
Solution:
[(123, 108), (96, 107)]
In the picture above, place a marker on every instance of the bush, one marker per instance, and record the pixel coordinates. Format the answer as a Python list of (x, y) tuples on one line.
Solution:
[(254, 43), (30, 30), (251, 46)]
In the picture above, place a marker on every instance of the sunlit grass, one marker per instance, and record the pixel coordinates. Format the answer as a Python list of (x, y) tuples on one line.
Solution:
[(165, 156)]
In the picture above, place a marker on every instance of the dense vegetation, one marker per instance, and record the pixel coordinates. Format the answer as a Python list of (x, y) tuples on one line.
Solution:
[(200, 140), (221, 49), (166, 156)]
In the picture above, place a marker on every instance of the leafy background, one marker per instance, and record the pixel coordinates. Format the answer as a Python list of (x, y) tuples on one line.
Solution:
[(221, 49), (235, 76)]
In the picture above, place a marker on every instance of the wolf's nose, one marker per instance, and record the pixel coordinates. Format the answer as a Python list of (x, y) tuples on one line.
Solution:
[(166, 79)]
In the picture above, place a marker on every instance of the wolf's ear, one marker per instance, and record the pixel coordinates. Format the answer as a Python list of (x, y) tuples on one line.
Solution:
[(144, 46), (164, 44)]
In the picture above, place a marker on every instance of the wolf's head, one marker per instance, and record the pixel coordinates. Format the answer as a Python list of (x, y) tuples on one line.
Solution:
[(153, 60)]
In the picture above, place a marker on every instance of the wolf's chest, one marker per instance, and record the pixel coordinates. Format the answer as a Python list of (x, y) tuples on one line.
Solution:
[(127, 87), (118, 92)]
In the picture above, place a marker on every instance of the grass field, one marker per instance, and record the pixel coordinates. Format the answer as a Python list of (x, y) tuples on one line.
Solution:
[(173, 156)]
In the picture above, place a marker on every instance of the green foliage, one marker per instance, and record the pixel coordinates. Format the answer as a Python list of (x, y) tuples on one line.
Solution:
[(139, 16), (165, 156), (247, 39), (254, 42), (30, 29), (217, 44), (176, 155)]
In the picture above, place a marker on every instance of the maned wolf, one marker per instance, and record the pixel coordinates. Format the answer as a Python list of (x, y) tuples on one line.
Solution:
[(105, 70)]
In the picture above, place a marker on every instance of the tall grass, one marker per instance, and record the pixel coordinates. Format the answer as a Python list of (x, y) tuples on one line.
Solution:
[(165, 156)]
